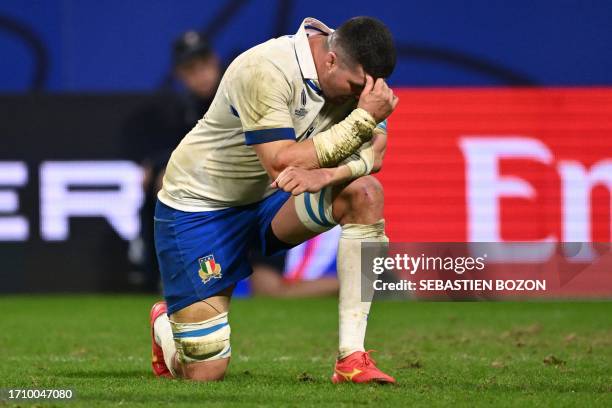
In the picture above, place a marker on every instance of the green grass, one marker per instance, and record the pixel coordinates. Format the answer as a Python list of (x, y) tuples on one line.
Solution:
[(442, 354)]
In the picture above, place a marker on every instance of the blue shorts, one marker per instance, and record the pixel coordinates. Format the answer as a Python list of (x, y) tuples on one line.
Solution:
[(202, 253)]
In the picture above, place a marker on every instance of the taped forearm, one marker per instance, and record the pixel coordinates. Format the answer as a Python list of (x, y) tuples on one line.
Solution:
[(368, 159), (344, 138), (361, 162)]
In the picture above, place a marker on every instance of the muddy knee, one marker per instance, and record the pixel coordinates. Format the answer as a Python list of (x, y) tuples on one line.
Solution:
[(360, 202)]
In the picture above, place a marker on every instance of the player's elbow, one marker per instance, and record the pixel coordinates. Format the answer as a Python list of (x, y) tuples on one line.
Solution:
[(282, 160), (289, 157), (277, 165)]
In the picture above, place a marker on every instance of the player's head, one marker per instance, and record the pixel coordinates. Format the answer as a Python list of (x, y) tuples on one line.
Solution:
[(196, 64), (361, 45)]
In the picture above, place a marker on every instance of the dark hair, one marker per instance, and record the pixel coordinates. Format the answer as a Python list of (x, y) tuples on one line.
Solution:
[(367, 41), (189, 46)]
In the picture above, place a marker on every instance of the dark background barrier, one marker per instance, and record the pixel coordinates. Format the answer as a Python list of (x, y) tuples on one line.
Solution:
[(64, 129)]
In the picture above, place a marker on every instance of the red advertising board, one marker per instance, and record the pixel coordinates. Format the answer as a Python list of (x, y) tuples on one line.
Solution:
[(504, 165), (501, 164)]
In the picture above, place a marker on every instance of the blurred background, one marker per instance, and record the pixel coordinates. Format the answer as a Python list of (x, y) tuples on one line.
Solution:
[(123, 46), (503, 133)]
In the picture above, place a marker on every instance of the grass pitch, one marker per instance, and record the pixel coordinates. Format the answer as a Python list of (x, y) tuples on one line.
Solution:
[(466, 354)]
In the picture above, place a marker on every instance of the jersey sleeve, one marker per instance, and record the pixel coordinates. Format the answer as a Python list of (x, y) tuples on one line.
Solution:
[(260, 94)]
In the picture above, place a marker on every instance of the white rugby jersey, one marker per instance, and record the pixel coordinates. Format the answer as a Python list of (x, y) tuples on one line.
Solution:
[(270, 92)]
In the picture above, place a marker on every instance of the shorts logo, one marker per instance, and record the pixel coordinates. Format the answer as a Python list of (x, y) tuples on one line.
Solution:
[(209, 268)]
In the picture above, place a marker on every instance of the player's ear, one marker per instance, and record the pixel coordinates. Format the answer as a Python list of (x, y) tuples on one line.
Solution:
[(331, 60)]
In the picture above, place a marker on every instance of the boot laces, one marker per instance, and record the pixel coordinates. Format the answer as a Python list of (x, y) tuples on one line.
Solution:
[(367, 360)]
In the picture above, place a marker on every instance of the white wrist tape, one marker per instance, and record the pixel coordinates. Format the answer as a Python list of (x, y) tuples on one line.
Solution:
[(344, 138), (361, 162)]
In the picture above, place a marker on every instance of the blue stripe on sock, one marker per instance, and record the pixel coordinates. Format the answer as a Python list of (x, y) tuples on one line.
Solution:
[(322, 209), (227, 352), (200, 332), (311, 213)]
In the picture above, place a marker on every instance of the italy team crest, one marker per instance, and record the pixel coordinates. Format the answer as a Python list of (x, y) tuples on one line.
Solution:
[(209, 268)]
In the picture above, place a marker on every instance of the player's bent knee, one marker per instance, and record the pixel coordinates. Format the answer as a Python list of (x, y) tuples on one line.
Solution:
[(359, 202), (203, 348), (364, 191)]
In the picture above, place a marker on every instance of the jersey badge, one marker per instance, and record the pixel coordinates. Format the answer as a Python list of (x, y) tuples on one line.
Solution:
[(209, 269), (302, 111)]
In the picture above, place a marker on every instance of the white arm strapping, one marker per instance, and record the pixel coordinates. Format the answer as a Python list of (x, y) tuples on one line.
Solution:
[(362, 161), (344, 138)]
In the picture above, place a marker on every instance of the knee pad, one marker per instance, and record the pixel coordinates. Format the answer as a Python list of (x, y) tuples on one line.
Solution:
[(202, 341), (315, 210)]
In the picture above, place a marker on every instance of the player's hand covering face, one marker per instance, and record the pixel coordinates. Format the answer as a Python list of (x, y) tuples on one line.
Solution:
[(377, 99), (343, 83)]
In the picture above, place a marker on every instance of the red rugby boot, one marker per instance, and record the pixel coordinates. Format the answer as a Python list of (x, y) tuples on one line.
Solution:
[(157, 355), (359, 367)]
